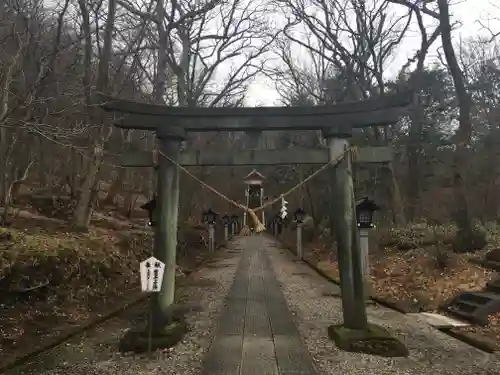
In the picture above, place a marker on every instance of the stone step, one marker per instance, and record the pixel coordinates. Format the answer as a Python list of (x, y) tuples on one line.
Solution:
[(458, 313), (492, 265), (474, 307), (493, 286)]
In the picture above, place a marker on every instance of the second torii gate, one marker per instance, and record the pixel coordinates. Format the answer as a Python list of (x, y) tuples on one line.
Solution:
[(253, 182)]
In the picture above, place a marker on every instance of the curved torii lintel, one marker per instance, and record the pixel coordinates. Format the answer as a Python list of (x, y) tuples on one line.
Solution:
[(377, 111)]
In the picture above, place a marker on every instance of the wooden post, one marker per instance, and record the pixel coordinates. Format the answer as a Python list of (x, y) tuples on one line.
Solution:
[(166, 228), (299, 241), (344, 220)]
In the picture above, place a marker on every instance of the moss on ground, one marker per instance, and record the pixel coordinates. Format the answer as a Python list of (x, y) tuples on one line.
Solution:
[(137, 341), (374, 340)]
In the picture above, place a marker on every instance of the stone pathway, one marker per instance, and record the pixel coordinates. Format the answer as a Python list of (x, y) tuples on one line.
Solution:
[(257, 334)]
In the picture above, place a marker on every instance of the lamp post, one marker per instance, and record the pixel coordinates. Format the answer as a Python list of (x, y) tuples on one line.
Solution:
[(280, 223), (234, 224), (364, 218), (225, 221), (210, 218), (274, 226), (152, 213), (299, 216)]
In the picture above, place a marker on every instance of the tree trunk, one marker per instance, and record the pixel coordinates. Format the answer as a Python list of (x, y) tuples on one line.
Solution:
[(414, 147), (398, 214), (115, 187), (463, 136), (83, 210)]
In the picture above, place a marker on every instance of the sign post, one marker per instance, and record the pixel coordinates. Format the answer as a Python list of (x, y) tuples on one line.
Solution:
[(151, 271)]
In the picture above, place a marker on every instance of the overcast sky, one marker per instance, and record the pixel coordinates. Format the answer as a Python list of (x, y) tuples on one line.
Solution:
[(262, 91)]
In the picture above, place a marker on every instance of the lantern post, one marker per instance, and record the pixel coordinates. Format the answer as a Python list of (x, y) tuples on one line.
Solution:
[(225, 222), (364, 218), (299, 216), (234, 224), (150, 207), (210, 218), (274, 226)]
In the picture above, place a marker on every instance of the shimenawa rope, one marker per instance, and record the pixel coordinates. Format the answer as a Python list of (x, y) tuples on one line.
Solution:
[(259, 227)]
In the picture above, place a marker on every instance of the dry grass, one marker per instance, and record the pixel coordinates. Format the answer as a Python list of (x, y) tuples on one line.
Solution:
[(52, 279)]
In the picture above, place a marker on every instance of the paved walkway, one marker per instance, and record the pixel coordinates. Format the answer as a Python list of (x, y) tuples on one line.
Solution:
[(256, 332), (276, 317)]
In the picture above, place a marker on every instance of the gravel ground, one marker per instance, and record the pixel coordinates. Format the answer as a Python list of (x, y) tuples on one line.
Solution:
[(431, 351), (96, 351)]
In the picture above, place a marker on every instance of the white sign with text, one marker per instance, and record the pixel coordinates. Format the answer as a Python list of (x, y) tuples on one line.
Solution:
[(151, 275)]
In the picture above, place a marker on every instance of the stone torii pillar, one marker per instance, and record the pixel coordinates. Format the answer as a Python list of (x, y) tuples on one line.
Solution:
[(346, 230), (170, 139), (254, 193)]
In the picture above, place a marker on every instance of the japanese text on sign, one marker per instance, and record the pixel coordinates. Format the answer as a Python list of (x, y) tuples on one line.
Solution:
[(151, 275)]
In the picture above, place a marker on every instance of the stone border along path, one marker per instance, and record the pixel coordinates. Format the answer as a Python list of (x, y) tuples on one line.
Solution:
[(257, 334), (310, 299)]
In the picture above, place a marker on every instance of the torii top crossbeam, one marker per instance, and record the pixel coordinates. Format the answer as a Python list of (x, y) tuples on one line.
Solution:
[(382, 110)]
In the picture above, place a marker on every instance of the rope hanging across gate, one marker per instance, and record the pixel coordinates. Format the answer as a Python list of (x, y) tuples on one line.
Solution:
[(259, 226)]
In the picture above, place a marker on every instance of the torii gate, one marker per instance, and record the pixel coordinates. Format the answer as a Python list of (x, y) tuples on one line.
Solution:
[(336, 123), (253, 182)]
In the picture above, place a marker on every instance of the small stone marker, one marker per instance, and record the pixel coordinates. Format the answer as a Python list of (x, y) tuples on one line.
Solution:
[(151, 275), (439, 321)]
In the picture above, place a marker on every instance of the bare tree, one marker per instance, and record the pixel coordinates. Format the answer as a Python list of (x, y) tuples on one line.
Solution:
[(29, 63), (463, 136), (83, 211), (486, 24), (350, 43), (479, 61), (356, 37), (417, 115), (199, 42)]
